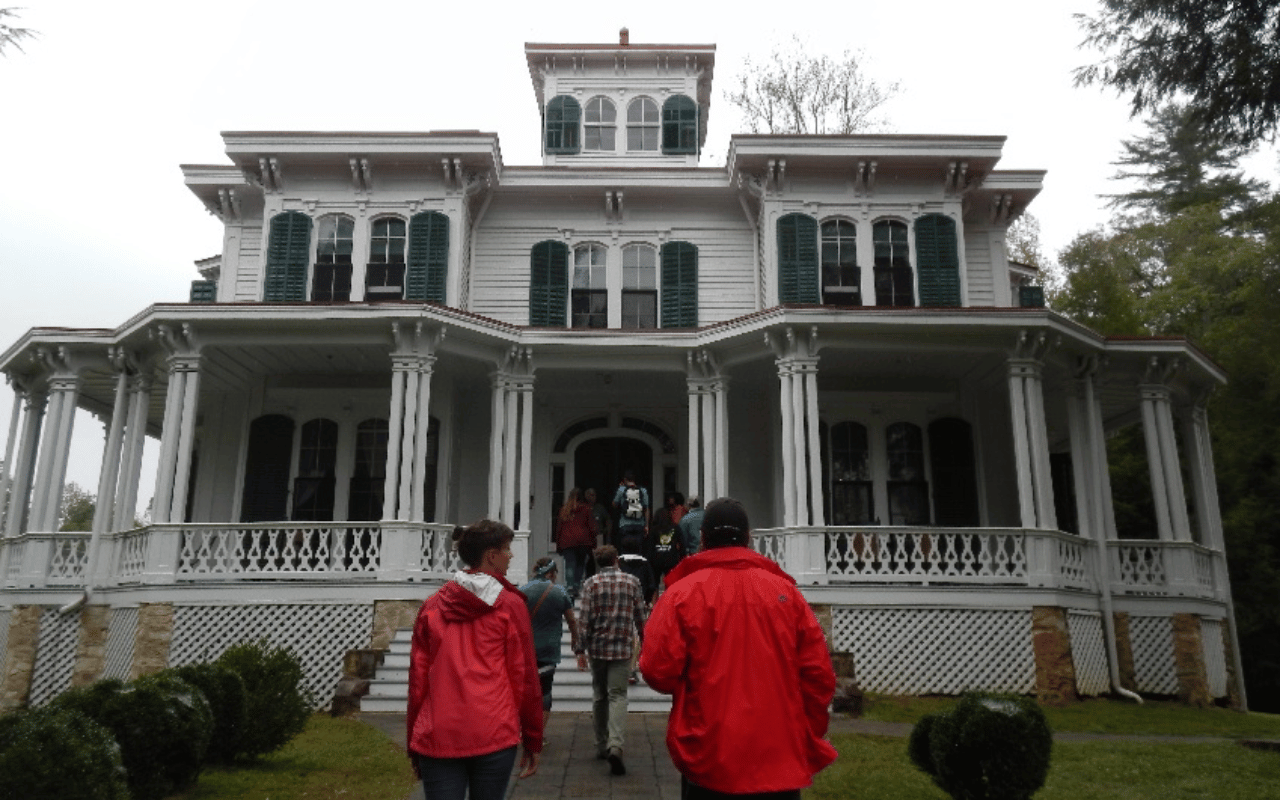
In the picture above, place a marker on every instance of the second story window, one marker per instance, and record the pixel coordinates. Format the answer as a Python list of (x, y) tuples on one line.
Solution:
[(598, 129), (639, 286), (384, 277), (563, 116), (841, 278), (894, 281), (644, 124), (331, 279), (590, 294)]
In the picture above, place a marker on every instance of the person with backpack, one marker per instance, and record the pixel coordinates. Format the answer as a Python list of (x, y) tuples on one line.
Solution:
[(631, 501)]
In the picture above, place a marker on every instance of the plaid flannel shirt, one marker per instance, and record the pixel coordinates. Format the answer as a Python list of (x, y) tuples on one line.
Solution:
[(612, 608)]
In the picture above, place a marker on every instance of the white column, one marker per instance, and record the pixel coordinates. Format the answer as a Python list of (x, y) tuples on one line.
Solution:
[(526, 453), (44, 466), (409, 436), (1081, 458), (815, 446), (67, 390), (800, 472), (6, 478), (694, 474), (426, 366), (509, 454), (1178, 519), (1021, 443), (108, 475), (709, 444), (395, 429), (497, 426), (24, 467), (1043, 473), (186, 439), (169, 435), (1155, 460), (722, 437), (131, 459), (789, 505)]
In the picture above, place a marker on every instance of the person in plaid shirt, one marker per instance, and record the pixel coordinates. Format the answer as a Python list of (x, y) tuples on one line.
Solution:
[(612, 607)]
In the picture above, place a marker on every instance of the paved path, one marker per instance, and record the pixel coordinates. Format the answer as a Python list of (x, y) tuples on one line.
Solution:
[(569, 768)]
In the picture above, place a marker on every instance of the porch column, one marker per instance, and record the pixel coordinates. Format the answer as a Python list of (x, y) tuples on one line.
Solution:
[(511, 442), (510, 455), (721, 390), (177, 438), (789, 506), (1030, 442), (1204, 489), (108, 474), (709, 467), (426, 366), (708, 429), (810, 370), (797, 362), (186, 438), (524, 389), (55, 446), (497, 429), (34, 406), (6, 477), (412, 366), (126, 504), (693, 478), (1157, 453), (408, 441), (400, 366)]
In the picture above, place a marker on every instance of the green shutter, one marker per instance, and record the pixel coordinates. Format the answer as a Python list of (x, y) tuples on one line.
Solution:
[(798, 259), (288, 256), (204, 291), (679, 285), (548, 284), (937, 260), (428, 257), (679, 125), (562, 123)]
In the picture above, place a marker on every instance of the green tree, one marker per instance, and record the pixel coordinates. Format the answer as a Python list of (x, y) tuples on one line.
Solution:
[(1222, 55), (796, 91), (11, 35), (77, 509)]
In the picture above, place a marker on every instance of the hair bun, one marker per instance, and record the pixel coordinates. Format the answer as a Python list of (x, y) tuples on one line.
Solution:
[(458, 531)]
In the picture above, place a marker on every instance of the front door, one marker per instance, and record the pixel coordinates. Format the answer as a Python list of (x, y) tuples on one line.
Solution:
[(599, 463)]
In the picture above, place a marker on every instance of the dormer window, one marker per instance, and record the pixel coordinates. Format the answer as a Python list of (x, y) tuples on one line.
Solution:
[(331, 280), (679, 125), (384, 276), (564, 115), (599, 131), (644, 125)]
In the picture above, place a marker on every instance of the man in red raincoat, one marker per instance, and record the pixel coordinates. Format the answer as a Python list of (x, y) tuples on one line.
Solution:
[(738, 647)]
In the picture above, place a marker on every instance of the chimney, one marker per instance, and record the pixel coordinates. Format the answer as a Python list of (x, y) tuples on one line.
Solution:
[(624, 37)]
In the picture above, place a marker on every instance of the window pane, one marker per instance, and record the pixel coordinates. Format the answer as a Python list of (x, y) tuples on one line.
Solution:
[(639, 267), (639, 310)]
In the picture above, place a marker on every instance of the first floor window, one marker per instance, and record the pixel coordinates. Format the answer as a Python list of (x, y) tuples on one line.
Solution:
[(589, 296), (369, 477), (384, 276), (313, 486), (639, 286), (908, 487), (852, 501)]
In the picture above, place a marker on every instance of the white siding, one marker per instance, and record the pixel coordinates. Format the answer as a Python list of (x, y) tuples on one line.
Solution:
[(977, 249), (246, 279)]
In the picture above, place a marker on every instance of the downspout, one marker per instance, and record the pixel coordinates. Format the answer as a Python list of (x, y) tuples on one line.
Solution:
[(1103, 570)]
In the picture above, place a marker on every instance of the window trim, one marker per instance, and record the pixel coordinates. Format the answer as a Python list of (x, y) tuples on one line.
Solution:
[(591, 290), (370, 264), (642, 126), (601, 126), (877, 270), (824, 288)]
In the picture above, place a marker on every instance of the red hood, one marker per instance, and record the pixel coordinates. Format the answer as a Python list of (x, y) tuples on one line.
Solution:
[(725, 558), (460, 603)]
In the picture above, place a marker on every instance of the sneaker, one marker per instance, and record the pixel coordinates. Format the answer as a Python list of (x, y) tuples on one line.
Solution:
[(615, 761)]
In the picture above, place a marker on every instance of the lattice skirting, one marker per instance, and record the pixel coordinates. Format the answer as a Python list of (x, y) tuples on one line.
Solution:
[(1152, 642), (1088, 652), (318, 634), (122, 627), (1213, 638), (937, 651), (55, 655)]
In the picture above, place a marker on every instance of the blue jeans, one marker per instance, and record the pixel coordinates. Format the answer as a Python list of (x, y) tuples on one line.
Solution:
[(449, 778), (575, 568)]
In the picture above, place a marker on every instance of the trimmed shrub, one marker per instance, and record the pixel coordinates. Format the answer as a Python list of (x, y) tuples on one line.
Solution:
[(279, 704), (58, 754), (987, 747), (161, 723), (224, 689)]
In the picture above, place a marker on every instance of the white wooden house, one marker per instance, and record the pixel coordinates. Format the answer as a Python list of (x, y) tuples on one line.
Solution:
[(403, 333)]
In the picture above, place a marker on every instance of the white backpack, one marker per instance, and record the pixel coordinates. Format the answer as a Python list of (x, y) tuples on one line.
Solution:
[(635, 509)]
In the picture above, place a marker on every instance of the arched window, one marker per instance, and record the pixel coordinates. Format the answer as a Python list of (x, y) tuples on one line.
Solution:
[(644, 124), (589, 297), (679, 285), (893, 278), (548, 283), (265, 495), (313, 486), (384, 276), (331, 278), (428, 257), (288, 255), (369, 476), (563, 117), (639, 286), (938, 260), (907, 484), (852, 500), (797, 259), (955, 487), (679, 125), (841, 278), (599, 131)]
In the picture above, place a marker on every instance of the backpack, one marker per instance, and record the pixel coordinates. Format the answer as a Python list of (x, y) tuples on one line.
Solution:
[(634, 509), (667, 549)]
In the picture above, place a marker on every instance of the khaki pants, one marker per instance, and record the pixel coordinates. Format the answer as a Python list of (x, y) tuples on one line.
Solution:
[(609, 701)]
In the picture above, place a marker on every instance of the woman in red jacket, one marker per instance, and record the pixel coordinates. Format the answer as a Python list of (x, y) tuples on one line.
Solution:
[(575, 538), (473, 680)]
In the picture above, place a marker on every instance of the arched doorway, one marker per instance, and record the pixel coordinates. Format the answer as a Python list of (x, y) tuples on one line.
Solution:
[(599, 463)]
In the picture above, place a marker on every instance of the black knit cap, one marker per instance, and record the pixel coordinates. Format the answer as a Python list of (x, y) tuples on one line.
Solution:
[(724, 523)]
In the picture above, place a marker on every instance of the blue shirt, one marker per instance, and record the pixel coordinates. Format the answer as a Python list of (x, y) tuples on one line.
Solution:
[(546, 620)]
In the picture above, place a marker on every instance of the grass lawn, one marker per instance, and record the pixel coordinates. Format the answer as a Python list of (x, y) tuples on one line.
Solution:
[(332, 758)]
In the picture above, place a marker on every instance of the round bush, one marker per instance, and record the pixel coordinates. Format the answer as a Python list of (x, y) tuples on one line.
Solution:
[(224, 689), (279, 704), (988, 747), (58, 754), (161, 723)]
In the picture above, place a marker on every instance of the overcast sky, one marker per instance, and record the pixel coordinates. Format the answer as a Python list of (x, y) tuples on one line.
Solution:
[(95, 223)]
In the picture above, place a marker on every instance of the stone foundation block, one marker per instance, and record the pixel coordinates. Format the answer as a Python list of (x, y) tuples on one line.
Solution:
[(151, 643), (20, 657), (390, 616), (1188, 661), (1055, 669), (91, 650)]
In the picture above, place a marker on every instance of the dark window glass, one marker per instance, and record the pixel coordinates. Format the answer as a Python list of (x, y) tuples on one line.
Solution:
[(563, 117), (331, 279), (266, 474), (908, 488), (639, 286), (841, 278), (851, 489), (589, 297), (313, 486), (368, 479), (384, 275), (679, 125), (893, 278)]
